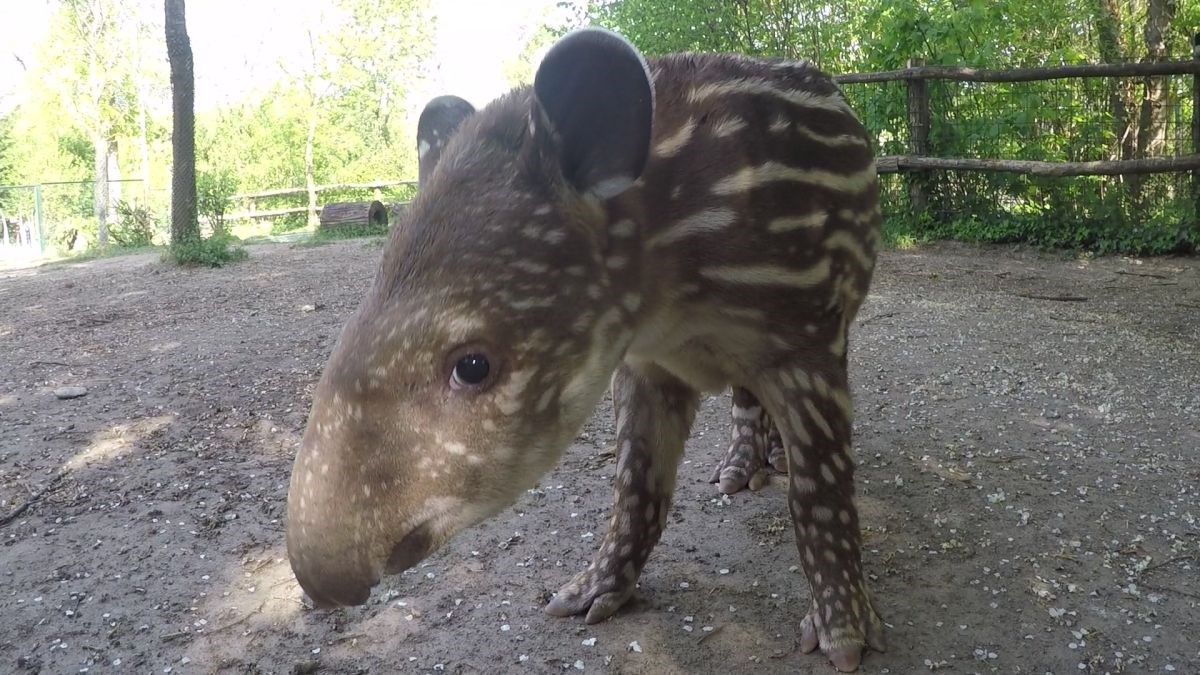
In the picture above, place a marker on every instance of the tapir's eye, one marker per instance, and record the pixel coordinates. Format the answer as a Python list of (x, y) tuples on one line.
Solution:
[(471, 370)]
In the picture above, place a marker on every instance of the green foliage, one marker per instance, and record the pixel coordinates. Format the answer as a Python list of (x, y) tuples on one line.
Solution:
[(1078, 213), (135, 227), (1059, 120), (89, 62), (214, 187), (214, 251), (289, 223), (261, 143), (366, 55), (370, 62)]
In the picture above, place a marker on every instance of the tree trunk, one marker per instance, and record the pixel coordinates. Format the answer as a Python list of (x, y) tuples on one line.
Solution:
[(143, 133), (115, 193), (184, 224), (144, 145), (1120, 96), (310, 179), (100, 143), (100, 147), (1152, 127)]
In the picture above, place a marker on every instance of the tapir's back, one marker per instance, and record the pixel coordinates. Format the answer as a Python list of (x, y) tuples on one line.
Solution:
[(760, 193)]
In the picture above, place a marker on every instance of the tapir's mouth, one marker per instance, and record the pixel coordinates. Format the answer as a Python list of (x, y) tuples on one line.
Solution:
[(412, 549)]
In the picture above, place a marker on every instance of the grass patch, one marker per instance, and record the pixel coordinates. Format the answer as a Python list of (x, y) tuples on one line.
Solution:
[(214, 251), (1108, 237), (329, 235)]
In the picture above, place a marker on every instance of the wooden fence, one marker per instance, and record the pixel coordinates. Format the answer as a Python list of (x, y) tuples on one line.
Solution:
[(918, 163), (248, 202)]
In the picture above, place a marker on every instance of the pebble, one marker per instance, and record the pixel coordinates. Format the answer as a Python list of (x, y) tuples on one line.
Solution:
[(65, 393)]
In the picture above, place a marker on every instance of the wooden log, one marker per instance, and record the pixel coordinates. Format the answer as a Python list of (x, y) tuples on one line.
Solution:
[(354, 214), (901, 163)]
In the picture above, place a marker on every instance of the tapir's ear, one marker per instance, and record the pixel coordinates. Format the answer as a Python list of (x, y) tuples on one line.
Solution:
[(439, 120), (593, 105)]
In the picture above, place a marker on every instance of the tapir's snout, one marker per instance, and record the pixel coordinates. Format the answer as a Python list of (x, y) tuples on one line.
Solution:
[(357, 509), (330, 582), (341, 526), (336, 575)]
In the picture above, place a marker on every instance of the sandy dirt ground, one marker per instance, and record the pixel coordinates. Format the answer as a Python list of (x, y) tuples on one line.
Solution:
[(1027, 435)]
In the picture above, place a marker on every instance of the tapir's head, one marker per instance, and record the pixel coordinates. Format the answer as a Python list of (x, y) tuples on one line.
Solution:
[(491, 329)]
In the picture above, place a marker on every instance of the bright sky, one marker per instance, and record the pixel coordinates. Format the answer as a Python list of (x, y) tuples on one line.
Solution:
[(240, 44)]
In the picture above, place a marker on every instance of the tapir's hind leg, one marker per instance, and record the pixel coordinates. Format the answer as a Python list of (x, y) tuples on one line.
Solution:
[(812, 407), (756, 445), (654, 413)]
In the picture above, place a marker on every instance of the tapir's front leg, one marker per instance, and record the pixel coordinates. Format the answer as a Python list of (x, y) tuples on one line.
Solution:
[(813, 410), (654, 413)]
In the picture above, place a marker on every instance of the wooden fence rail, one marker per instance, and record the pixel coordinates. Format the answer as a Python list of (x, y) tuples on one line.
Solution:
[(968, 74), (1116, 167), (919, 162), (285, 192), (248, 201)]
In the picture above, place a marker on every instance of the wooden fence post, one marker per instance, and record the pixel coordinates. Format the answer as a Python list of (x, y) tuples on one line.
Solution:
[(918, 138)]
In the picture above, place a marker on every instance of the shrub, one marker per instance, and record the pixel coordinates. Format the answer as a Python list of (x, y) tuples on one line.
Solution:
[(289, 223), (213, 190), (215, 251), (135, 226)]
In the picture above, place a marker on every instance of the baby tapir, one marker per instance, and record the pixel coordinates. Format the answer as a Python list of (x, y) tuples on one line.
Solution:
[(671, 228)]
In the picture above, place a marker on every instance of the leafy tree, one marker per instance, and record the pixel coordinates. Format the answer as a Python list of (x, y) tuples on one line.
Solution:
[(372, 58), (94, 83), (1071, 120), (540, 28)]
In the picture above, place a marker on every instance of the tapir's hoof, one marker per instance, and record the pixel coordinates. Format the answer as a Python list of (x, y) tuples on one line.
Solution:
[(777, 458), (845, 653), (745, 465), (600, 595)]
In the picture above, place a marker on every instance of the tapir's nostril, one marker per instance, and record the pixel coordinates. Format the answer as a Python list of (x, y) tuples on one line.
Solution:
[(411, 550)]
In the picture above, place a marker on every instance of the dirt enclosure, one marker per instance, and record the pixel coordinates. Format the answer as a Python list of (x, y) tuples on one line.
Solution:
[(1027, 435)]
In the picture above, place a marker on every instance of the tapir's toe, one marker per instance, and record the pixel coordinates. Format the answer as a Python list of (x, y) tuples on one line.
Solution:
[(743, 466), (845, 653), (600, 595)]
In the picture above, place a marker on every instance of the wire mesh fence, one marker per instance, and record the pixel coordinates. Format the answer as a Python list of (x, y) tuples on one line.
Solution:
[(60, 216)]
